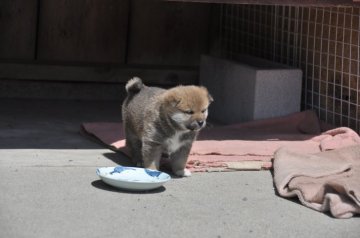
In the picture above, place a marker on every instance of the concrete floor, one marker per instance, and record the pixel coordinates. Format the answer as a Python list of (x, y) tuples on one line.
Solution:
[(49, 188)]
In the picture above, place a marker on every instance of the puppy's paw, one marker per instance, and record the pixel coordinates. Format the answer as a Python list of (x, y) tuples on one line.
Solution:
[(183, 173)]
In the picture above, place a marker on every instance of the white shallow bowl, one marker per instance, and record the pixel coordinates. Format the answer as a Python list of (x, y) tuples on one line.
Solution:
[(132, 178)]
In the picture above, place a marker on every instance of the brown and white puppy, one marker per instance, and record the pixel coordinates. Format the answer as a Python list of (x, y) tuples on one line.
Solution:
[(159, 121)]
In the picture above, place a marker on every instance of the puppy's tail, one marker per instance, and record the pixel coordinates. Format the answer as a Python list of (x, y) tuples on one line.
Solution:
[(134, 85)]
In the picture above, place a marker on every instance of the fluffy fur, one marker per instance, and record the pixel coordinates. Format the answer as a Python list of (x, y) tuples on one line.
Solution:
[(159, 121)]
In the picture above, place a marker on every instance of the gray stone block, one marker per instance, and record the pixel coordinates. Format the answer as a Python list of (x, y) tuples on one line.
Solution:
[(250, 89)]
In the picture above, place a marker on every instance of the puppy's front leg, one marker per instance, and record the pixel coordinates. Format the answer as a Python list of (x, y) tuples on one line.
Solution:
[(151, 152), (179, 159)]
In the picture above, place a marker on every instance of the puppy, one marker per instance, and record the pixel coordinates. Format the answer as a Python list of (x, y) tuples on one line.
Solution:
[(163, 122)]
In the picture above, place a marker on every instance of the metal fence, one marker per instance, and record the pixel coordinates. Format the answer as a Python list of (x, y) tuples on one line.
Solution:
[(323, 41)]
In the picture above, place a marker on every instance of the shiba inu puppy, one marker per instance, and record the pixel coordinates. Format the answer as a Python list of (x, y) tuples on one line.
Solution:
[(163, 122)]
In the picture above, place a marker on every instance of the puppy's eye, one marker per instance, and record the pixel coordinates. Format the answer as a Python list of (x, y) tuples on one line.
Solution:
[(189, 112), (203, 111)]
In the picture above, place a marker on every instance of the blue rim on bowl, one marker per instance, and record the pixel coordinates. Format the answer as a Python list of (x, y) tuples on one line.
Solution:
[(132, 178)]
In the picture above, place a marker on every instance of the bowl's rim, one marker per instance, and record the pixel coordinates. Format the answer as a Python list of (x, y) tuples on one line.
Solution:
[(160, 181)]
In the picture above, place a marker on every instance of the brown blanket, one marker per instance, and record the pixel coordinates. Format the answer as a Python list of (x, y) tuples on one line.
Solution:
[(326, 181), (243, 146)]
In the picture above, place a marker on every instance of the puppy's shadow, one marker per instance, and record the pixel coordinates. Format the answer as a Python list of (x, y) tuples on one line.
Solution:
[(119, 158), (103, 186)]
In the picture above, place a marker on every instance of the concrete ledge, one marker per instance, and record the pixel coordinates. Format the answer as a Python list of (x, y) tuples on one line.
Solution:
[(160, 75), (37, 89), (84, 82)]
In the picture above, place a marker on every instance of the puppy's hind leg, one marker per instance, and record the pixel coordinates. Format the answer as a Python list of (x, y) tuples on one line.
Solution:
[(135, 145), (151, 153), (178, 161)]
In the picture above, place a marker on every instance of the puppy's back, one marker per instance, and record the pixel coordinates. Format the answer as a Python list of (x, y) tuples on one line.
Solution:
[(139, 94), (139, 99)]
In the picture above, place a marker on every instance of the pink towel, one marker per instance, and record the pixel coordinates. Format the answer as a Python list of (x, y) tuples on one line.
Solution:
[(326, 181), (248, 145)]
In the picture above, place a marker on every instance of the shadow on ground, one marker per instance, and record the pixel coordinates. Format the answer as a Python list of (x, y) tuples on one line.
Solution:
[(103, 186)]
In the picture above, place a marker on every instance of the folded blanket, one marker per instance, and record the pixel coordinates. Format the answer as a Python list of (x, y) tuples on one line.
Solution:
[(248, 145), (326, 181)]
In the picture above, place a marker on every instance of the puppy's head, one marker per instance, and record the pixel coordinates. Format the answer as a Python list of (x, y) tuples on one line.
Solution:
[(188, 106)]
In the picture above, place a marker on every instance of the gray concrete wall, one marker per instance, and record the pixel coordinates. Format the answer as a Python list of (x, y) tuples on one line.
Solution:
[(250, 89)]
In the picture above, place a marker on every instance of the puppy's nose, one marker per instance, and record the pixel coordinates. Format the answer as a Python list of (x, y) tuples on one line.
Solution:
[(200, 123)]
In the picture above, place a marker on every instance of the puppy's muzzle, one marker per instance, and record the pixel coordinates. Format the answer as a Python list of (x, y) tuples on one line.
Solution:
[(196, 125)]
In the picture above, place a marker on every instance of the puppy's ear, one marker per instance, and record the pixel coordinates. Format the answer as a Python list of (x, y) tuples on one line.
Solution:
[(172, 99), (175, 101), (211, 99)]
